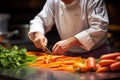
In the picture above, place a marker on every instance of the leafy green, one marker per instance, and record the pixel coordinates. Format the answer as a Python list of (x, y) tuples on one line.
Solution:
[(14, 58)]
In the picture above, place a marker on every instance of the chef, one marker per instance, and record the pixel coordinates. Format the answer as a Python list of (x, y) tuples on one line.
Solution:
[(82, 26)]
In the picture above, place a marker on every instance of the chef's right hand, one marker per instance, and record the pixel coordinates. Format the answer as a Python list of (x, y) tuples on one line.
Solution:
[(39, 40)]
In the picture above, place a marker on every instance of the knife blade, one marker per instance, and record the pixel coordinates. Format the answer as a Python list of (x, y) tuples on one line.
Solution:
[(47, 50)]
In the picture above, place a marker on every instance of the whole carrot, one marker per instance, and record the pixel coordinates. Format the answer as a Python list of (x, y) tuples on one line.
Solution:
[(102, 69), (110, 56), (118, 58), (106, 62), (115, 66), (91, 62)]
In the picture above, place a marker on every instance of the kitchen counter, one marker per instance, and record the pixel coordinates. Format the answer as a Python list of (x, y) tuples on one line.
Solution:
[(47, 74)]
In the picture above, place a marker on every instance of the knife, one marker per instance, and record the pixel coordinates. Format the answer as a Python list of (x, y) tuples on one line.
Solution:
[(47, 50)]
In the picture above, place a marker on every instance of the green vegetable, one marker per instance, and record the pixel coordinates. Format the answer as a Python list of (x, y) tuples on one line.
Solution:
[(14, 58)]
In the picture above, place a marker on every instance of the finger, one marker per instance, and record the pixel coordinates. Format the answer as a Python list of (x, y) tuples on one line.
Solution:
[(38, 45), (36, 39), (31, 36), (54, 49), (44, 42), (61, 50), (57, 49), (41, 43)]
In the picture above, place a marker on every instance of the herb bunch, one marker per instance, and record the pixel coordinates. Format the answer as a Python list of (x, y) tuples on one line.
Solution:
[(14, 58)]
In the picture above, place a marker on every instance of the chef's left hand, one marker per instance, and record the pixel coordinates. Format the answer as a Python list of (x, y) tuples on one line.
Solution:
[(63, 45)]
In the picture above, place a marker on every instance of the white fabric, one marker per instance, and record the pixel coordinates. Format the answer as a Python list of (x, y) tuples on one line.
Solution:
[(87, 20)]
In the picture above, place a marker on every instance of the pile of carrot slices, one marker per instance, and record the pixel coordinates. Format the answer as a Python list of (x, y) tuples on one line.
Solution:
[(55, 62), (107, 62)]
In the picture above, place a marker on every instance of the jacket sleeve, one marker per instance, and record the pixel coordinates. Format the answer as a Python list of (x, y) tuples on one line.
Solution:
[(97, 20), (43, 21)]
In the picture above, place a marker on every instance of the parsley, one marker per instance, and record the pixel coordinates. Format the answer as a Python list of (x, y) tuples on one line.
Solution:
[(14, 58)]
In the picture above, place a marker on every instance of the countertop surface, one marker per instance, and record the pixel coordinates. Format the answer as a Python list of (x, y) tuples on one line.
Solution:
[(47, 74)]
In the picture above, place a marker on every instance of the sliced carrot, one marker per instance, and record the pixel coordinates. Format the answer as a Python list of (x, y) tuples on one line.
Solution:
[(68, 62), (53, 66), (54, 61), (48, 59)]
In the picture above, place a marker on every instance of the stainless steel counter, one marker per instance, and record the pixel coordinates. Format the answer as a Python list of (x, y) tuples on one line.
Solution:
[(47, 74)]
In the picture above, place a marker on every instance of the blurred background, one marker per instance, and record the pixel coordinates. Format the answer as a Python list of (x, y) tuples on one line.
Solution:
[(16, 14)]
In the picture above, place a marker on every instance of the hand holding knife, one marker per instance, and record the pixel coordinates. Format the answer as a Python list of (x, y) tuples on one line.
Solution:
[(40, 41), (46, 49)]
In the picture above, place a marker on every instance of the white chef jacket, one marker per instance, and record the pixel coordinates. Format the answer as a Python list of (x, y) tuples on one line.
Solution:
[(87, 20)]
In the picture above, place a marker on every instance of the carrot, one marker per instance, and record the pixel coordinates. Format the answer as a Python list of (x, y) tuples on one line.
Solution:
[(65, 68), (41, 58), (118, 58), (55, 57), (48, 59), (40, 62), (102, 69), (53, 66), (68, 62), (69, 68), (115, 66), (80, 67), (98, 66), (106, 62), (91, 63), (110, 56)]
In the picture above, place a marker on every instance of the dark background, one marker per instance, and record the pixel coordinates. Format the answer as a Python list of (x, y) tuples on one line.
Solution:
[(22, 11)]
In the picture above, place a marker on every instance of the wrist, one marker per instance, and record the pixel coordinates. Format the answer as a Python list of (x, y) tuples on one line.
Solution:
[(74, 41)]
